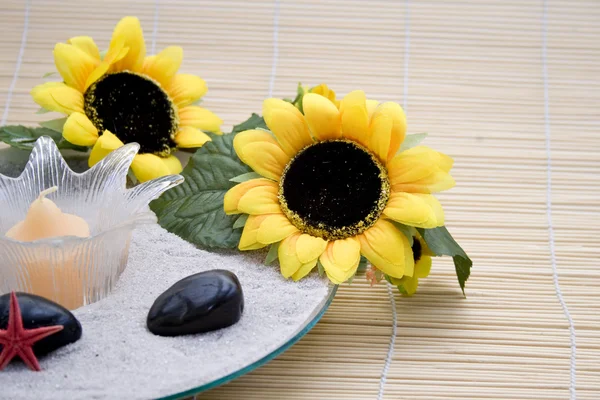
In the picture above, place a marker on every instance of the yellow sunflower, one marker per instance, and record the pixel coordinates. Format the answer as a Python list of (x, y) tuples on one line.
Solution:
[(126, 96), (422, 257), (333, 187)]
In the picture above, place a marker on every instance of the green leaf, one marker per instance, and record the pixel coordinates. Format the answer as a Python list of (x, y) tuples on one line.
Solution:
[(300, 92), (241, 221), (351, 279), (272, 254), (408, 231), (255, 121), (55, 124), (320, 268), (441, 243), (362, 265), (103, 54), (402, 290), (245, 177), (42, 110), (462, 266), (399, 287), (24, 137), (412, 141), (49, 74), (66, 145), (194, 209)]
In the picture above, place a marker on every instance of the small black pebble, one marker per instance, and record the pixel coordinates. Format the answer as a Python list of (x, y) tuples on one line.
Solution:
[(40, 312), (201, 302)]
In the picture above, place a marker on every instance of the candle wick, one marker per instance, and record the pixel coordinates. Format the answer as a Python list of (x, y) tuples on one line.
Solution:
[(46, 192)]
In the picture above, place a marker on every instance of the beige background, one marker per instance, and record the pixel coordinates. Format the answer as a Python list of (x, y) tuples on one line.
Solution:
[(524, 131)]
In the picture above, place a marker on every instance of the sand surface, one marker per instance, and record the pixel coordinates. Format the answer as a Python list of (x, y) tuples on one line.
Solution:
[(118, 358)]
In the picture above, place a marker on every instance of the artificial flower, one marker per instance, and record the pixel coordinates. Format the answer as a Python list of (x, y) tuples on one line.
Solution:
[(321, 89), (125, 96), (422, 257), (334, 187), (326, 92)]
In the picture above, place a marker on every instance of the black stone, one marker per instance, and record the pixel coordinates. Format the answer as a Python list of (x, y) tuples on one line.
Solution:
[(202, 302), (331, 176), (38, 312)]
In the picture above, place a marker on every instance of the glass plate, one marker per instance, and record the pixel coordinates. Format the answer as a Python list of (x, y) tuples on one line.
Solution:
[(303, 330)]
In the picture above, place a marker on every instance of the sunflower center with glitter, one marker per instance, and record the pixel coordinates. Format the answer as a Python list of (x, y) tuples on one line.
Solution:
[(135, 108), (416, 249), (334, 189)]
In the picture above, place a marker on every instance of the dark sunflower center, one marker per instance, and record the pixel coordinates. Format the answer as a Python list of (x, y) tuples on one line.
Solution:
[(417, 249), (135, 109), (334, 189)]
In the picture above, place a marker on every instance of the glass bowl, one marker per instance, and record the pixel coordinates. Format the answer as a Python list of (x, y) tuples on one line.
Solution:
[(69, 270)]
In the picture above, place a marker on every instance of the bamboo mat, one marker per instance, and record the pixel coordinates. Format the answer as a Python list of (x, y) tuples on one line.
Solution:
[(510, 89)]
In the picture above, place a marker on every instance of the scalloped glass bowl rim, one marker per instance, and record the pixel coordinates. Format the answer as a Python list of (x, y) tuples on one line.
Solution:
[(311, 322)]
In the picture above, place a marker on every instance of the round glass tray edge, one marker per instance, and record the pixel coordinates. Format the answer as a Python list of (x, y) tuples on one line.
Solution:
[(311, 322)]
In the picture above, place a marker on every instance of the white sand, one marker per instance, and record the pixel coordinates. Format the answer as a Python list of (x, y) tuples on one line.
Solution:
[(118, 358)]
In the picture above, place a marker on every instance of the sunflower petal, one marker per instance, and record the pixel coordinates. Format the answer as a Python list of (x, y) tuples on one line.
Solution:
[(163, 66), (420, 170), (309, 248), (287, 124), (249, 241), (87, 45), (200, 118), (426, 154), (79, 130), (106, 143), (322, 116), (129, 32), (244, 138), (233, 195), (73, 64), (173, 164), (340, 259), (304, 270), (56, 96), (288, 260), (386, 247), (396, 114), (355, 117), (326, 92), (260, 200), (149, 166), (415, 209), (423, 267), (188, 137), (381, 135), (275, 228), (261, 152), (185, 89), (436, 181), (371, 107), (410, 285), (116, 52), (354, 98)]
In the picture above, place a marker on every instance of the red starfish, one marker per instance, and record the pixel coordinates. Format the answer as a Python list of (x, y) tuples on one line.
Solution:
[(18, 341)]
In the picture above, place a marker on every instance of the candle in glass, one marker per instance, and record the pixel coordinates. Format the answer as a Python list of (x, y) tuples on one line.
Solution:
[(46, 220)]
